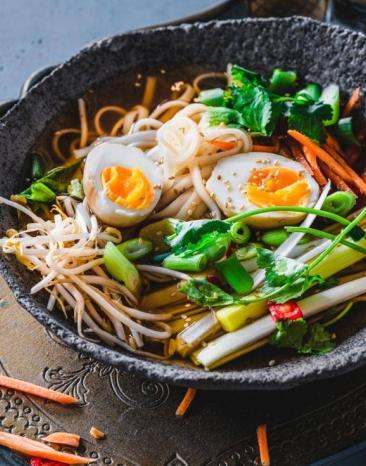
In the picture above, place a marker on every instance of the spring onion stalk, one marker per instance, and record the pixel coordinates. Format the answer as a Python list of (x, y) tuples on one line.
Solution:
[(339, 259), (179, 324), (155, 232), (311, 91), (324, 234), (344, 133), (240, 232), (274, 237), (340, 203), (282, 81), (120, 268), (191, 337), (159, 258), (330, 96), (287, 246), (195, 263), (212, 97), (235, 274), (136, 248), (247, 252), (230, 343)]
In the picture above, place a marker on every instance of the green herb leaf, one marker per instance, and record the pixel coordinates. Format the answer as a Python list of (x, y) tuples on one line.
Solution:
[(190, 233), (257, 106), (200, 291), (304, 338), (240, 75), (318, 340), (285, 278), (56, 180), (227, 116), (289, 333), (308, 117)]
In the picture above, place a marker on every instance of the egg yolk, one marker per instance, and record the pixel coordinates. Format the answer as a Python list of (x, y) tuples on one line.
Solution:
[(277, 186), (127, 188)]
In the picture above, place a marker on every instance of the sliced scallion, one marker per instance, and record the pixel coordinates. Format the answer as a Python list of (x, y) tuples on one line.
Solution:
[(120, 268), (340, 203), (212, 97), (136, 248), (235, 274), (195, 263)]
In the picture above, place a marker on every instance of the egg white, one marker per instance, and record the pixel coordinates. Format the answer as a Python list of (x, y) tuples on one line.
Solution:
[(110, 154), (230, 176)]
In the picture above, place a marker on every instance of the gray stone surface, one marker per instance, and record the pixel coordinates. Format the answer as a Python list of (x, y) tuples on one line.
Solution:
[(317, 51), (38, 33)]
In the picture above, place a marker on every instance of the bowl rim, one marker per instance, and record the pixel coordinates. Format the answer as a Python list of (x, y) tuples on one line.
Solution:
[(343, 359)]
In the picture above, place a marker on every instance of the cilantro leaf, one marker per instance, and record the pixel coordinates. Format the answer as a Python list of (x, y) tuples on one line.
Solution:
[(285, 278), (191, 232), (200, 291), (228, 116), (242, 75), (304, 338), (289, 333), (307, 117), (213, 245), (257, 106), (318, 340)]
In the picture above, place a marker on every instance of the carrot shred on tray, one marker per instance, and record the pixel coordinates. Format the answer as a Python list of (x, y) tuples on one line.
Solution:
[(63, 438), (36, 390), (223, 145), (186, 402), (30, 447), (313, 162), (263, 148), (352, 102), (262, 440), (334, 161)]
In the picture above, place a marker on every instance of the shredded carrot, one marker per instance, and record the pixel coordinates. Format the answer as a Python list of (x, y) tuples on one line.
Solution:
[(96, 433), (186, 402), (63, 438), (333, 143), (299, 156), (262, 440), (41, 392), (223, 145), (311, 158), (29, 447), (354, 178), (352, 102), (262, 148), (338, 182), (339, 166)]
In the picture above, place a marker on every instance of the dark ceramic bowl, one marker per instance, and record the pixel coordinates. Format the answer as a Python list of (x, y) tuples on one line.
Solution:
[(319, 52)]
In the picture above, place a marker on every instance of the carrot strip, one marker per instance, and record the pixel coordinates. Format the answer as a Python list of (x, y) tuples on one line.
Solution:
[(352, 102), (262, 440), (32, 389), (223, 145), (186, 402), (29, 447), (311, 158), (333, 143), (63, 438), (299, 156), (354, 178), (262, 148), (338, 182), (339, 166)]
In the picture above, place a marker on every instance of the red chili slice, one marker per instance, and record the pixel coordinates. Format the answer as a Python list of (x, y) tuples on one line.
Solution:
[(286, 311), (42, 462)]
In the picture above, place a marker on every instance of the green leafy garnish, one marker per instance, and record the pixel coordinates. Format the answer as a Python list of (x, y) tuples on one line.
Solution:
[(240, 75), (200, 291), (227, 116), (190, 233), (289, 333), (285, 278), (307, 117), (258, 108), (54, 182), (303, 337)]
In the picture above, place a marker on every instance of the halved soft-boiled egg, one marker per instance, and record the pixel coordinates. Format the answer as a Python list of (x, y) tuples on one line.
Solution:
[(257, 179), (121, 184)]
